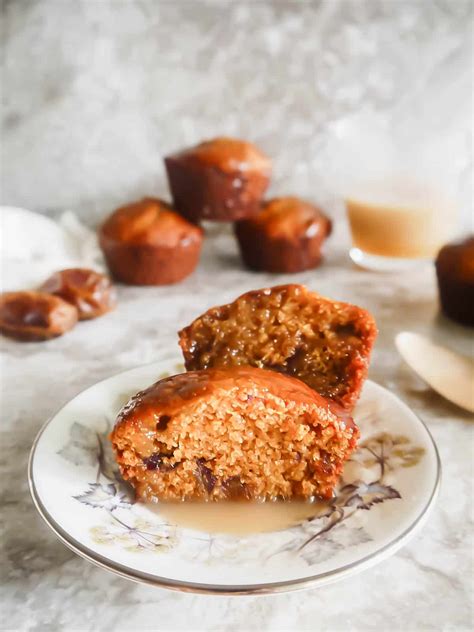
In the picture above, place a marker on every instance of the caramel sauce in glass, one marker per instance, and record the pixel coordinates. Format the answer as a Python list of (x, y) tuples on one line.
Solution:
[(411, 223)]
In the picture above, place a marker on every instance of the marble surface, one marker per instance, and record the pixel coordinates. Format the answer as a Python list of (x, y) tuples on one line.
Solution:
[(97, 92), (427, 585)]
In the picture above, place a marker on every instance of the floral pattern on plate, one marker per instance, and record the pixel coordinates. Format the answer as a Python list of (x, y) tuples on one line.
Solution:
[(314, 539)]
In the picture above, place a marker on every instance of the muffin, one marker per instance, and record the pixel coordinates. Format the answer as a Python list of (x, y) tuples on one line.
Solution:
[(285, 237), (147, 243), (222, 179), (33, 316), (455, 273), (288, 329), (237, 433), (90, 292)]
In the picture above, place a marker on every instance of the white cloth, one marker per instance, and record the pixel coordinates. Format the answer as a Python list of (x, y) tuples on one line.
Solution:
[(33, 246)]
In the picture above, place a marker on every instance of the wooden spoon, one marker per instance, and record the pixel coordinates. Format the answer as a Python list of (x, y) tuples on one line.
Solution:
[(447, 372)]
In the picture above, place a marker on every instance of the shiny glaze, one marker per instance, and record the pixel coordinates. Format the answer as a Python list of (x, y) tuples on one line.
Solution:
[(150, 222), (291, 218), (35, 316), (228, 155), (91, 292), (168, 396)]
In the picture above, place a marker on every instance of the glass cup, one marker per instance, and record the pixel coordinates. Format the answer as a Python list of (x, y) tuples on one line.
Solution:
[(397, 223), (402, 181)]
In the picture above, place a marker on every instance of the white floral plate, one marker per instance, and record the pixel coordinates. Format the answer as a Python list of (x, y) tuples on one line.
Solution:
[(383, 498)]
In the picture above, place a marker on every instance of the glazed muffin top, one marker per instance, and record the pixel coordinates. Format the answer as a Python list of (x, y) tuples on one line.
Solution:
[(228, 155), (291, 217), (170, 394), (150, 222), (457, 260)]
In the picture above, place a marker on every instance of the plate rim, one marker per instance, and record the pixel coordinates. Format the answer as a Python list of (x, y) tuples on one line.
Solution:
[(228, 589)]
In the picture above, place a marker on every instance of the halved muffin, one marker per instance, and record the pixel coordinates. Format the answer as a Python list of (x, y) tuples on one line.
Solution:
[(232, 433), (288, 329)]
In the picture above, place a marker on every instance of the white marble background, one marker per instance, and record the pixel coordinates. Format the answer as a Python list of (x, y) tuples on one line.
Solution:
[(95, 92)]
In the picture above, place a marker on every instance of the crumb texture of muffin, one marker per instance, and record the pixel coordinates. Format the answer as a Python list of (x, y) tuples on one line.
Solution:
[(30, 316), (287, 328), (91, 292), (236, 433), (286, 236), (147, 243), (455, 273), (223, 179)]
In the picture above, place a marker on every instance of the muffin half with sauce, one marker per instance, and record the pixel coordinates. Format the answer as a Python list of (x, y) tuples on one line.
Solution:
[(237, 433)]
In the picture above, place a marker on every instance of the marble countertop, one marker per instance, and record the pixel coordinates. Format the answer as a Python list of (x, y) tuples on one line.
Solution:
[(88, 114), (426, 585)]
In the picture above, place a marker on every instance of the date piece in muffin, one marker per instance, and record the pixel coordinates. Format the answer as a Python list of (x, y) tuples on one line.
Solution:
[(455, 272), (285, 237), (232, 433), (91, 292), (33, 316), (147, 243), (287, 328), (223, 179)]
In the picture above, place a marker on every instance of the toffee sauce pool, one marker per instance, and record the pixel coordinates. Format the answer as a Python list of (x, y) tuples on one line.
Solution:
[(239, 518)]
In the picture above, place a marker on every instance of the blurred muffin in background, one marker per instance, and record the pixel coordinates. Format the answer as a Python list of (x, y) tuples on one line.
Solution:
[(455, 273), (147, 243), (286, 236), (223, 179)]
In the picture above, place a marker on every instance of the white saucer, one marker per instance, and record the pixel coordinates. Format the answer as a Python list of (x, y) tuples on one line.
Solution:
[(383, 499)]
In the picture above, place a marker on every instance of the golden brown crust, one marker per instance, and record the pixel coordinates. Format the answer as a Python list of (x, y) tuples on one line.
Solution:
[(147, 243), (171, 393), (89, 291), (325, 343), (228, 155), (152, 222), (30, 316), (232, 432), (222, 180), (285, 237)]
